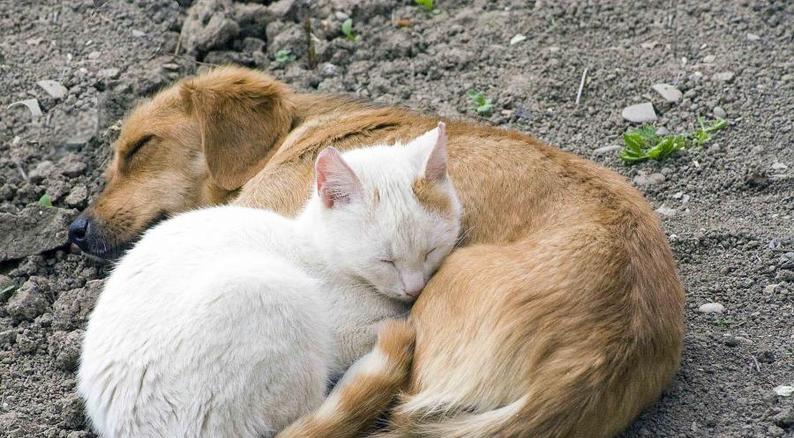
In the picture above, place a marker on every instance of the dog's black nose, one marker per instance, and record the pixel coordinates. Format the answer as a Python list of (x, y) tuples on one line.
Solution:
[(79, 229)]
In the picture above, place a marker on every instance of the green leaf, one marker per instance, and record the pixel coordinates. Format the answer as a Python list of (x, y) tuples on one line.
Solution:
[(284, 56), (45, 201), (347, 30), (427, 4), (633, 140)]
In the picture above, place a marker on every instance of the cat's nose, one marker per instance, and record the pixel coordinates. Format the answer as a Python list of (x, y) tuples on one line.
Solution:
[(413, 282)]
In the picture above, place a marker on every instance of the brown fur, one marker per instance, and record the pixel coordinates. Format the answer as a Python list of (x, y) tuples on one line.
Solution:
[(432, 197), (362, 396), (560, 316)]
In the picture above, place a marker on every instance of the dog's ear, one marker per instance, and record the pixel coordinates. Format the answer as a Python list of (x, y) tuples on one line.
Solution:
[(241, 113)]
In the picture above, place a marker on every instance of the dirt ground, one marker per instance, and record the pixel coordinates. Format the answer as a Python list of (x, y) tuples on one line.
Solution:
[(727, 207)]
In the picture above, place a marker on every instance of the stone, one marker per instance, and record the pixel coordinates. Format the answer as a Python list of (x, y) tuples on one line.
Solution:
[(284, 9), (668, 92), (53, 88), (328, 70), (71, 165), (42, 171), (208, 26), (784, 390), (639, 113), (708, 59), (603, 150), (64, 347), (28, 301), (252, 19), (33, 230), (666, 211), (726, 76), (77, 197), (72, 412), (719, 112), (138, 33), (71, 309), (517, 38), (649, 180), (711, 308), (753, 37), (108, 73), (7, 337), (785, 417)]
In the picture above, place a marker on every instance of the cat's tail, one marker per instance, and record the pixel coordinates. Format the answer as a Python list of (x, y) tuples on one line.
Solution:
[(366, 390)]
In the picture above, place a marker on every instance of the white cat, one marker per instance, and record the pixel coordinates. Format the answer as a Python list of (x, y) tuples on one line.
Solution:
[(229, 321)]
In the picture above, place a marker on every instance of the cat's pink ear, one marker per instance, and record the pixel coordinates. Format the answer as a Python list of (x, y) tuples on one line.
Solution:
[(336, 182), (436, 165)]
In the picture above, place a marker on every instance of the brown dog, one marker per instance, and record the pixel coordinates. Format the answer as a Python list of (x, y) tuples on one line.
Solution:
[(560, 315)]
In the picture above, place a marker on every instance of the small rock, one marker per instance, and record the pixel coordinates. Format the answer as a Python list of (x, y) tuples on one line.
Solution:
[(94, 55), (666, 211), (708, 59), (711, 308), (787, 260), (33, 230), (719, 112), (662, 131), (253, 45), (639, 113), (7, 337), (517, 38), (668, 92), (7, 287), (31, 104), (42, 171), (784, 390), (109, 73), (53, 88), (71, 309), (785, 417), (775, 431), (77, 197), (284, 9), (603, 150), (753, 37), (777, 165), (726, 76), (770, 288), (29, 301), (648, 180), (208, 27), (731, 341), (328, 70), (171, 66), (71, 165), (72, 412), (65, 349), (138, 33)]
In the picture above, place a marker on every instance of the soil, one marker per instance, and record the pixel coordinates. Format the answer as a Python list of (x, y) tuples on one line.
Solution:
[(727, 207)]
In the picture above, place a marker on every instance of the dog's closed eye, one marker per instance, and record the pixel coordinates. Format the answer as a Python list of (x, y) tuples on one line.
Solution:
[(138, 145)]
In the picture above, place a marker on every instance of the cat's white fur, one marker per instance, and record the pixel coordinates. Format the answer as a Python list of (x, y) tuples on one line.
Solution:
[(229, 322)]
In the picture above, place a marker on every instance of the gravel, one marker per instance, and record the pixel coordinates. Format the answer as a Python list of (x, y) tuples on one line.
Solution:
[(728, 239)]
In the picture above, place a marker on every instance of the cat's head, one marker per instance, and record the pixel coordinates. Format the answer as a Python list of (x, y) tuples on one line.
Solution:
[(387, 215)]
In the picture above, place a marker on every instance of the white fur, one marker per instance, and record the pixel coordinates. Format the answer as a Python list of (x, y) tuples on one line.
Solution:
[(230, 321)]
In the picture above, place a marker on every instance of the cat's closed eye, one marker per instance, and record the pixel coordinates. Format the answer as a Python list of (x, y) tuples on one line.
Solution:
[(427, 254), (387, 261)]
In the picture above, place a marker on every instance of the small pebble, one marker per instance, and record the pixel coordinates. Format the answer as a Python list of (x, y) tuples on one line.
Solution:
[(719, 112), (784, 390), (639, 113), (731, 341), (138, 33), (668, 92), (726, 76), (711, 308), (708, 59), (94, 55), (605, 150), (666, 212), (648, 180), (753, 37), (108, 73), (53, 88)]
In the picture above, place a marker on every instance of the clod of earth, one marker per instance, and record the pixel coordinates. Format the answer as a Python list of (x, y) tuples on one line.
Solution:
[(33, 230)]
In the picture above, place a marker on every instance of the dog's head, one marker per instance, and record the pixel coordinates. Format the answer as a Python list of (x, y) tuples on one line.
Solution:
[(192, 145)]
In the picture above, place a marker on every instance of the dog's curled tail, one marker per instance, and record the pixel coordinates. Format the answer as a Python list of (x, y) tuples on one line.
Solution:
[(366, 390)]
